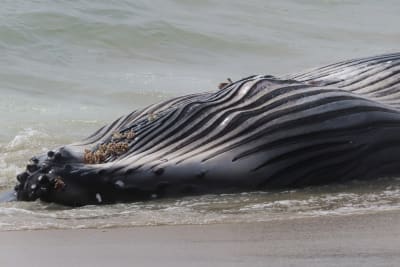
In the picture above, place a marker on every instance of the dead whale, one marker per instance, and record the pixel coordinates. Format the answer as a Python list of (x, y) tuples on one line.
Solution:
[(330, 124)]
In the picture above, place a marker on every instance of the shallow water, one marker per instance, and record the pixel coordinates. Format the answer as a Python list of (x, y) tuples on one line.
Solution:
[(67, 68)]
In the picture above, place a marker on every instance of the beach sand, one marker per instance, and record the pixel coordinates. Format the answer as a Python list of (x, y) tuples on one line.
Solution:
[(363, 240)]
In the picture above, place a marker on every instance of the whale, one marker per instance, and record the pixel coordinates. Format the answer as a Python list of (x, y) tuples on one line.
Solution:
[(330, 124)]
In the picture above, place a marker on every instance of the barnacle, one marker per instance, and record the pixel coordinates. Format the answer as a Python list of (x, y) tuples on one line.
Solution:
[(130, 135), (151, 117), (59, 183), (117, 135)]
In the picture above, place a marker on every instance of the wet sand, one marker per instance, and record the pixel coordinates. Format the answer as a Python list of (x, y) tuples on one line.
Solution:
[(364, 240)]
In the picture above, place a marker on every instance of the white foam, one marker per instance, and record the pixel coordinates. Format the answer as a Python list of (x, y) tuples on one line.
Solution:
[(24, 138)]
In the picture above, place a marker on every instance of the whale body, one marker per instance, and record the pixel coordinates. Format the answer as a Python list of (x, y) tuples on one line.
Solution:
[(331, 124)]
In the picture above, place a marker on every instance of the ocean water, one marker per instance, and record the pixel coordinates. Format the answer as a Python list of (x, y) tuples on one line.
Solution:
[(68, 67)]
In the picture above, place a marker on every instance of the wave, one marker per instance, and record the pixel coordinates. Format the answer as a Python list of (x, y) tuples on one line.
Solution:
[(334, 200)]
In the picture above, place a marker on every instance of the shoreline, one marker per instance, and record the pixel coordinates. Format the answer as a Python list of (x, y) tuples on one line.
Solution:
[(368, 239)]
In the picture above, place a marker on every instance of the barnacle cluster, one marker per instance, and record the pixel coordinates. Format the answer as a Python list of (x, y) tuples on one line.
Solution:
[(117, 146), (123, 135), (104, 151)]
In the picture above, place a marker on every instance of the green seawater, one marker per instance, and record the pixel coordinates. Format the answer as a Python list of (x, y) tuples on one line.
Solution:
[(68, 67)]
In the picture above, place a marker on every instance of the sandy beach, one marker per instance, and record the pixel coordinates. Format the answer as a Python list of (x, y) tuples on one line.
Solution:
[(364, 240)]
